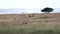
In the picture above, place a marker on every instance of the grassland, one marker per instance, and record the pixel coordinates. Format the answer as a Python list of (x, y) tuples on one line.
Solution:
[(29, 24)]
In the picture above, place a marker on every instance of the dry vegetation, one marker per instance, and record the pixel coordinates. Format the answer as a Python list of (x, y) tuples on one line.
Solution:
[(37, 21)]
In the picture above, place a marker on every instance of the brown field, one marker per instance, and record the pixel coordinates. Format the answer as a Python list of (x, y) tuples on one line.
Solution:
[(30, 23), (19, 20)]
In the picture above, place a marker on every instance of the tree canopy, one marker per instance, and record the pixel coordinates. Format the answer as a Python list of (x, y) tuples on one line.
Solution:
[(47, 10)]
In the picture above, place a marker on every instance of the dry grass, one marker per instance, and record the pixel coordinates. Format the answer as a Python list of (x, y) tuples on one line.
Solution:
[(24, 19), (36, 22)]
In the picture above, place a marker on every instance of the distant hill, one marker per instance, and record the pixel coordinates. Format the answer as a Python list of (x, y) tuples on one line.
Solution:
[(24, 11)]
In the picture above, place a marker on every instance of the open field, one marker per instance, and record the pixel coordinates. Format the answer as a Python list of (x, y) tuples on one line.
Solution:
[(30, 23)]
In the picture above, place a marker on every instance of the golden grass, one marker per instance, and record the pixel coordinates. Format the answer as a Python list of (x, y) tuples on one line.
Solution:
[(28, 24), (17, 20)]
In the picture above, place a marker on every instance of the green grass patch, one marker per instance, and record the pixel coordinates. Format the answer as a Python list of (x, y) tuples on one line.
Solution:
[(33, 30)]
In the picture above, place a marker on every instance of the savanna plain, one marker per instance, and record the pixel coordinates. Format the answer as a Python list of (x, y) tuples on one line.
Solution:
[(30, 23)]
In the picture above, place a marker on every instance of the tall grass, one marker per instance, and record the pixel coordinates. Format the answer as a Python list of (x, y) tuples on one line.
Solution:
[(33, 30)]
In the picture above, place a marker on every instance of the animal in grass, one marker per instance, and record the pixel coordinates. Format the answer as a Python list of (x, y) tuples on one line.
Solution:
[(31, 15)]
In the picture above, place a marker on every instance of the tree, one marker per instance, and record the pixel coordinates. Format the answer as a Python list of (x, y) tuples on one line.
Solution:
[(47, 10)]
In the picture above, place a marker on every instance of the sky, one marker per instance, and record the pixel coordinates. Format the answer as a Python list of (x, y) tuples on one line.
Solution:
[(29, 4)]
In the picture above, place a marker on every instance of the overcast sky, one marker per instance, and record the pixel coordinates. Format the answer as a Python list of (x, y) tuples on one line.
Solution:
[(29, 4)]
